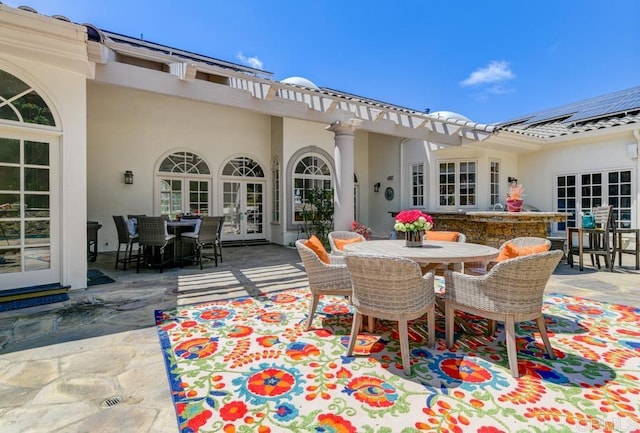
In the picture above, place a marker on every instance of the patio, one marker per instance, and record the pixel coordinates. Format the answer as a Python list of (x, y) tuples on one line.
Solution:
[(94, 362)]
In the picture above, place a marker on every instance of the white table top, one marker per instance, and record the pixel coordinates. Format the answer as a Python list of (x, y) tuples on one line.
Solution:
[(430, 252)]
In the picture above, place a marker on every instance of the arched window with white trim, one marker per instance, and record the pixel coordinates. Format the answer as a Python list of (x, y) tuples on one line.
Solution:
[(311, 171), (243, 199), (185, 183)]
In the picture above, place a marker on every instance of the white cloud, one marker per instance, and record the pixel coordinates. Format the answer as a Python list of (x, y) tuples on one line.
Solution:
[(493, 73), (254, 62)]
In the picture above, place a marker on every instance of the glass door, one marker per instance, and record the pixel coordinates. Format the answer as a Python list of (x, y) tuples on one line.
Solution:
[(243, 209), (184, 196), (29, 249)]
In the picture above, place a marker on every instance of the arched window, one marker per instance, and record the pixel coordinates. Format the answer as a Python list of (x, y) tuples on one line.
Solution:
[(275, 193), (185, 180), (19, 102), (310, 172), (243, 199)]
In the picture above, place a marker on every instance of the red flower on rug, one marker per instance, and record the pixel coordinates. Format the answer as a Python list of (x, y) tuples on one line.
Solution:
[(233, 411), (271, 382), (197, 348), (334, 424)]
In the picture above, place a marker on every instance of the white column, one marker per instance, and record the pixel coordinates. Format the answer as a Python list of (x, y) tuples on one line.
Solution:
[(343, 197)]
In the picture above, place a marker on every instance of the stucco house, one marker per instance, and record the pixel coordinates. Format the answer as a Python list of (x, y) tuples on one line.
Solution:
[(80, 106)]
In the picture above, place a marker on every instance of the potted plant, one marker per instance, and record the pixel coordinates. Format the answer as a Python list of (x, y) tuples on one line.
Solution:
[(514, 197), (413, 223)]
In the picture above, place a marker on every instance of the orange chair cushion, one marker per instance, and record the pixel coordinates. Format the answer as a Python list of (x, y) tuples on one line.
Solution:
[(340, 243), (314, 243), (441, 236), (511, 251)]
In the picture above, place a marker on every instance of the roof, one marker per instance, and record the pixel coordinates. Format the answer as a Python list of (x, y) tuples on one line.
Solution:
[(605, 111)]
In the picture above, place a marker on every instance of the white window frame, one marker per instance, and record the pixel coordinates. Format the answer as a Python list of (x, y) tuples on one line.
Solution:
[(417, 195), (451, 189), (592, 188), (494, 181)]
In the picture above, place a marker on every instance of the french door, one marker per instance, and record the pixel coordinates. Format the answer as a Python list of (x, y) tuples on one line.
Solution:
[(29, 218), (243, 209), (181, 195)]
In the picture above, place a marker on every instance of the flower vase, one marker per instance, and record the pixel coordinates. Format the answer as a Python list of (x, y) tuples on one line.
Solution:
[(514, 205), (414, 239)]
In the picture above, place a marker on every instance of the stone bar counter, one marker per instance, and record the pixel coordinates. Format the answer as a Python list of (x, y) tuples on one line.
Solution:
[(493, 228)]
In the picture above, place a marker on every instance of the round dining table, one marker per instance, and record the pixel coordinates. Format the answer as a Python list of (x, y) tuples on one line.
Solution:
[(431, 253), (429, 256)]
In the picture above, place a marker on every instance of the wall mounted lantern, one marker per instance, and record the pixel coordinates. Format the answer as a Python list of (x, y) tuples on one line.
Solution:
[(512, 179), (128, 177), (376, 187)]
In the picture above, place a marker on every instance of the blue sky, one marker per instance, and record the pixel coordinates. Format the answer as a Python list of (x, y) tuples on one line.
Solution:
[(488, 60)]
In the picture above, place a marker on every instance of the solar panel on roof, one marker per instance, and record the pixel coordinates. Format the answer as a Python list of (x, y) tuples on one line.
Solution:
[(600, 106), (619, 104)]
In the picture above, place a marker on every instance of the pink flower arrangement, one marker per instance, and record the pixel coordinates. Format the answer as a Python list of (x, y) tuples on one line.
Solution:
[(361, 229), (413, 221)]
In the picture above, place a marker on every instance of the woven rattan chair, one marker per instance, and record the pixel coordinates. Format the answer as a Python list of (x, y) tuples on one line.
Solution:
[(345, 235), (205, 237), (460, 237), (390, 288), (480, 268), (324, 279), (510, 292), (152, 234), (124, 238)]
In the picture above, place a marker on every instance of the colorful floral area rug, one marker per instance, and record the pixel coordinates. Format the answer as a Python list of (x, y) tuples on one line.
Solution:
[(248, 365)]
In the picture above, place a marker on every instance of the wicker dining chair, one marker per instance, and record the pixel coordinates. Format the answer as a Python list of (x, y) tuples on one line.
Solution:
[(511, 292), (324, 278), (204, 237), (345, 236), (125, 237), (391, 288), (152, 233), (481, 268), (445, 236)]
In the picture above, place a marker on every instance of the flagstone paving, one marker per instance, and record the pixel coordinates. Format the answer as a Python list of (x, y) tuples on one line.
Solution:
[(93, 363)]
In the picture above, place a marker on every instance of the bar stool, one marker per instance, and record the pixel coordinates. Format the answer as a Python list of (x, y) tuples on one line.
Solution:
[(635, 251)]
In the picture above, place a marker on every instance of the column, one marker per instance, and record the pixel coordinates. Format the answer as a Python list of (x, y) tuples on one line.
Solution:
[(344, 159)]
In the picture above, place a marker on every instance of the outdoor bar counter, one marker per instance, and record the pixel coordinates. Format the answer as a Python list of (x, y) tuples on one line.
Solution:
[(493, 228)]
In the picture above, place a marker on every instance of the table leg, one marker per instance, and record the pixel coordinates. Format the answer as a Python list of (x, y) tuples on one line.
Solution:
[(580, 249)]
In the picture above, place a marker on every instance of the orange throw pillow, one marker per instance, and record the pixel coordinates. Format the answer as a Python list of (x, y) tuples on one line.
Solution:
[(314, 243), (340, 243), (441, 236), (511, 251)]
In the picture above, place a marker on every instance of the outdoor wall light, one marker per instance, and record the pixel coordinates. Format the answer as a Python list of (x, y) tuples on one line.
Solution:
[(128, 177), (512, 179), (376, 187)]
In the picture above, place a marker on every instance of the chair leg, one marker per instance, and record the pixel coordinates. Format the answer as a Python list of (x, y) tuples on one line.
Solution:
[(371, 323), (545, 337), (404, 346), (355, 325), (449, 313), (510, 339), (118, 255), (431, 324), (138, 261), (491, 330), (312, 309)]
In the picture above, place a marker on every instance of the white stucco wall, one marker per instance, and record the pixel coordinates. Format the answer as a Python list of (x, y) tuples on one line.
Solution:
[(384, 162), (134, 130)]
